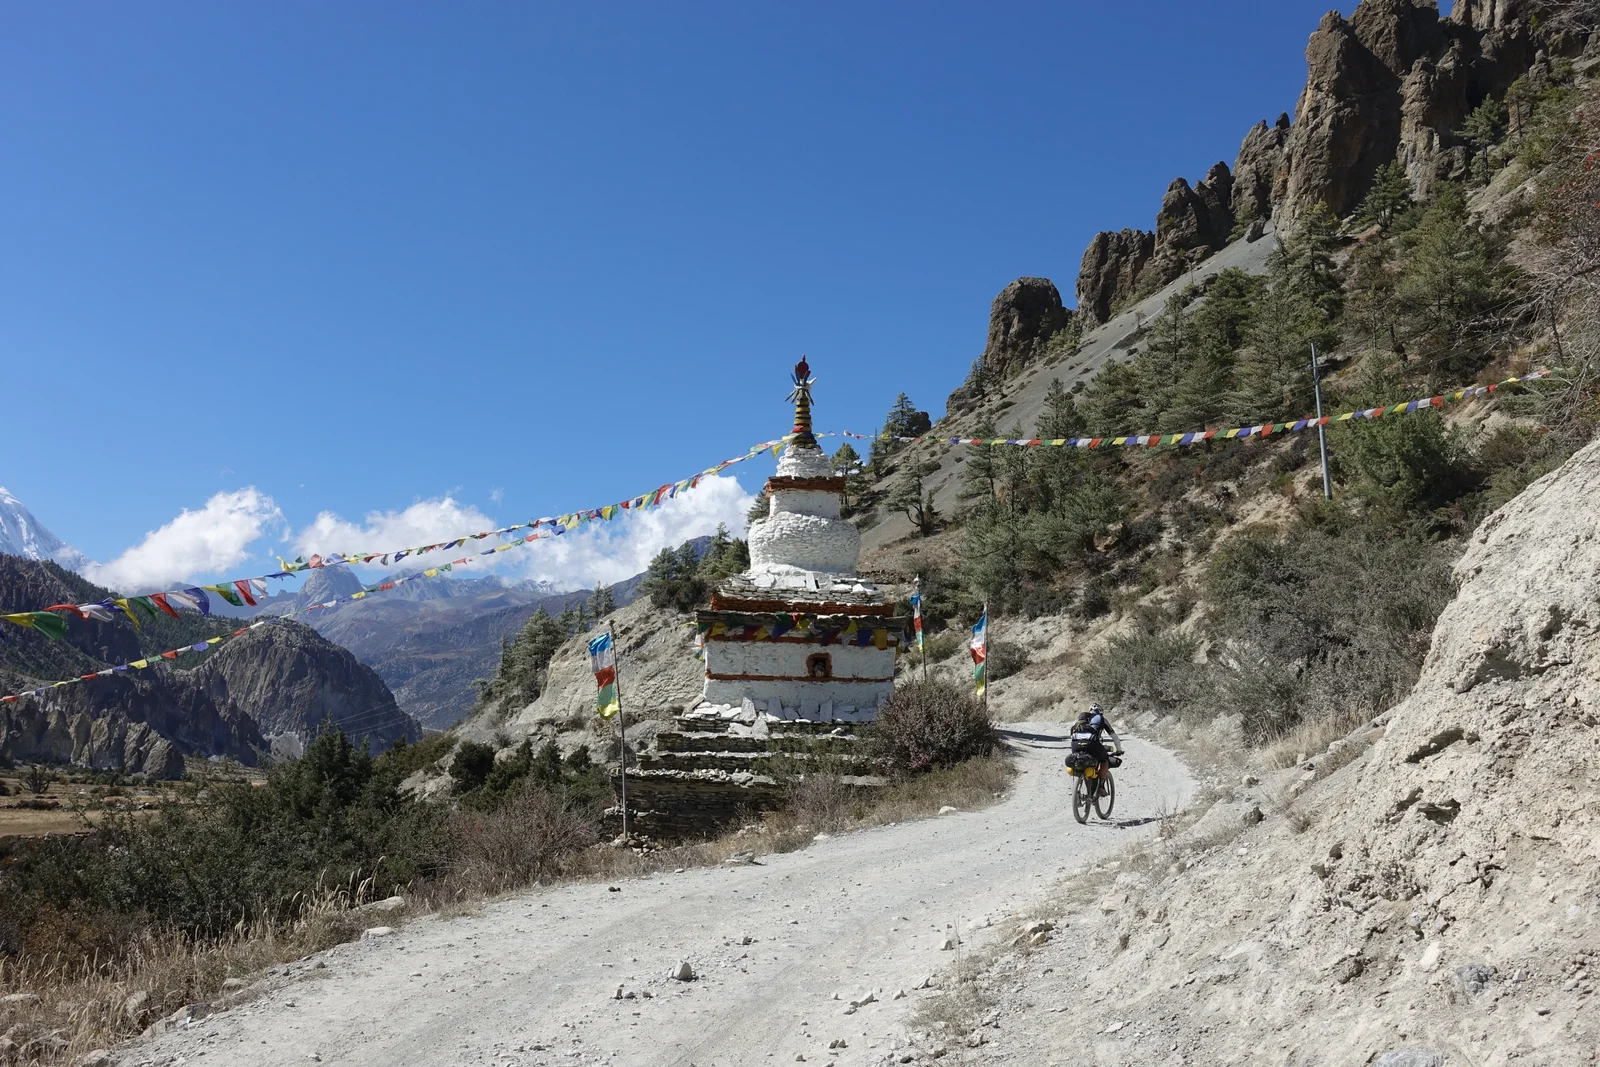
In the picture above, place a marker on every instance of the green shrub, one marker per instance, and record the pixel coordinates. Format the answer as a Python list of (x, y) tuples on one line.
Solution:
[(1153, 670), (471, 766), (926, 725), (1005, 658)]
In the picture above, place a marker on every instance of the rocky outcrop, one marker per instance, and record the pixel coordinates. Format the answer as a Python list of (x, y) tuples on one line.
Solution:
[(1347, 123), (1021, 319), (1110, 271), (1396, 81), (1257, 171), (1194, 222)]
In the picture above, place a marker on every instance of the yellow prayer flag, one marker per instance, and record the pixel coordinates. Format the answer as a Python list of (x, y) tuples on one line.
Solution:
[(139, 664), (432, 572), (127, 610)]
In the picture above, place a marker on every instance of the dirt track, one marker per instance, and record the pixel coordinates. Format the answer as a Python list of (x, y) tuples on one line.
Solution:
[(532, 979)]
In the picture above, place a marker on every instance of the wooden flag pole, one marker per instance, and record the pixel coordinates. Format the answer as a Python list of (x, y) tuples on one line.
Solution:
[(622, 724)]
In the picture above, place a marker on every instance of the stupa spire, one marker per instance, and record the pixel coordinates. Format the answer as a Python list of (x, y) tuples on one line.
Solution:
[(802, 405)]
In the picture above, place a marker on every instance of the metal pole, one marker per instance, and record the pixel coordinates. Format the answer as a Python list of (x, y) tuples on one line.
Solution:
[(622, 725), (1322, 431)]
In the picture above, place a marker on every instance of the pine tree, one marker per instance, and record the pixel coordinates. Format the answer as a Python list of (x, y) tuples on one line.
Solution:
[(602, 602), (1448, 287), (1483, 129), (567, 620), (847, 464), (980, 472), (1389, 196), (917, 504), (903, 420)]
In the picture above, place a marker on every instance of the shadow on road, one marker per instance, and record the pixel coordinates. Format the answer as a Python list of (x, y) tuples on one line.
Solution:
[(1041, 740)]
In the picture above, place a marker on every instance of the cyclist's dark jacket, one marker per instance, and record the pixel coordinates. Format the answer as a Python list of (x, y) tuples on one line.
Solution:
[(1086, 737)]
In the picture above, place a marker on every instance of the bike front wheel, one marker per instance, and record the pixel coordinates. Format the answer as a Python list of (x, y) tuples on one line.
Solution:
[(1106, 798), (1080, 800)]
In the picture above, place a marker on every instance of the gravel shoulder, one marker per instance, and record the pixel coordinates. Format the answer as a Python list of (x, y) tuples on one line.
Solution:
[(534, 978)]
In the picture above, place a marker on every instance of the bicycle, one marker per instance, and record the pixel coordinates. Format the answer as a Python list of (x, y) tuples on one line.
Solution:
[(1094, 785)]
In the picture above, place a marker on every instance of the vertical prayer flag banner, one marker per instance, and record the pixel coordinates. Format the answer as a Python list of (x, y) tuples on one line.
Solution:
[(604, 662), (980, 653), (916, 614)]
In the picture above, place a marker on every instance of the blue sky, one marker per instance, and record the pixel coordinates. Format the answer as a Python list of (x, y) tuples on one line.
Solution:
[(356, 259)]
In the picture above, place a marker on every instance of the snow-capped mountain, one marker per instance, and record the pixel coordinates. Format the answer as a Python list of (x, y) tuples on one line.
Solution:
[(22, 535)]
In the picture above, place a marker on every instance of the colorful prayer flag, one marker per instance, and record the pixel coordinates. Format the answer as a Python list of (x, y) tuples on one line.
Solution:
[(916, 613), (603, 661), (980, 653)]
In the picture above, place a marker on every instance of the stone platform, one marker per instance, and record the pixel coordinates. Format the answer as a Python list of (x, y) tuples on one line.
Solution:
[(709, 773)]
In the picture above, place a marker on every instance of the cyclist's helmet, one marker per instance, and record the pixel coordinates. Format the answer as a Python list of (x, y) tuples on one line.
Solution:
[(1096, 709)]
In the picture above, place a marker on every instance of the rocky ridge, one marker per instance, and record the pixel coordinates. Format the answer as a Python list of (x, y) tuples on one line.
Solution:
[(1392, 82)]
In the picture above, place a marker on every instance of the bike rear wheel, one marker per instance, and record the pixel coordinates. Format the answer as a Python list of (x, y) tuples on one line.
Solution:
[(1080, 800), (1106, 798)]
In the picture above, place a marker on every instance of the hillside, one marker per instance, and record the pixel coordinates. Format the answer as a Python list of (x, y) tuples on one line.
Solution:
[(1425, 887), (273, 686)]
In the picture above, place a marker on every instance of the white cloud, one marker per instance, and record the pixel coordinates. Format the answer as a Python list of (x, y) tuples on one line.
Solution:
[(607, 552), (424, 522), (497, 496), (593, 553), (195, 543)]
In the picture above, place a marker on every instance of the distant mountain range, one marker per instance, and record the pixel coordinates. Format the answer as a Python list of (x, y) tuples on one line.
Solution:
[(430, 644), (428, 639)]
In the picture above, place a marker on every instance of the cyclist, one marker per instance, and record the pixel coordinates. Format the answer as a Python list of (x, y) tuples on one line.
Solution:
[(1088, 733)]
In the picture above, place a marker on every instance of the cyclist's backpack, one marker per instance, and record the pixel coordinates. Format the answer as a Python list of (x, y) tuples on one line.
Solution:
[(1084, 738)]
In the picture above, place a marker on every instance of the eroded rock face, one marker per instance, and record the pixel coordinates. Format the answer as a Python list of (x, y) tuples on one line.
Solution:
[(1257, 169), (1110, 270), (1193, 223), (1396, 81), (1347, 123), (1025, 314)]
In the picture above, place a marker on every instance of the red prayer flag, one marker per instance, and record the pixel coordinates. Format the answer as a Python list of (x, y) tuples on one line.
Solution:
[(161, 602)]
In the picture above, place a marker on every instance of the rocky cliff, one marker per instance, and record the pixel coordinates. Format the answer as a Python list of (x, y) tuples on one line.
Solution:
[(1394, 81), (1425, 892)]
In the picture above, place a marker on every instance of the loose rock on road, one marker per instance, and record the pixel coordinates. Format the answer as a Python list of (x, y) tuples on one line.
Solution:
[(804, 954)]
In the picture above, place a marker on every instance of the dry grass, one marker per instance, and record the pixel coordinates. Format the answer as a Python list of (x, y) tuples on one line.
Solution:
[(88, 1004)]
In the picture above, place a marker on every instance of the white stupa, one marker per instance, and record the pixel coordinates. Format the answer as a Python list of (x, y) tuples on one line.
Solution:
[(800, 635)]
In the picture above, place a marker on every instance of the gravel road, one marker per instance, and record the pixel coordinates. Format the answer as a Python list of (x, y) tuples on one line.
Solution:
[(532, 979)]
